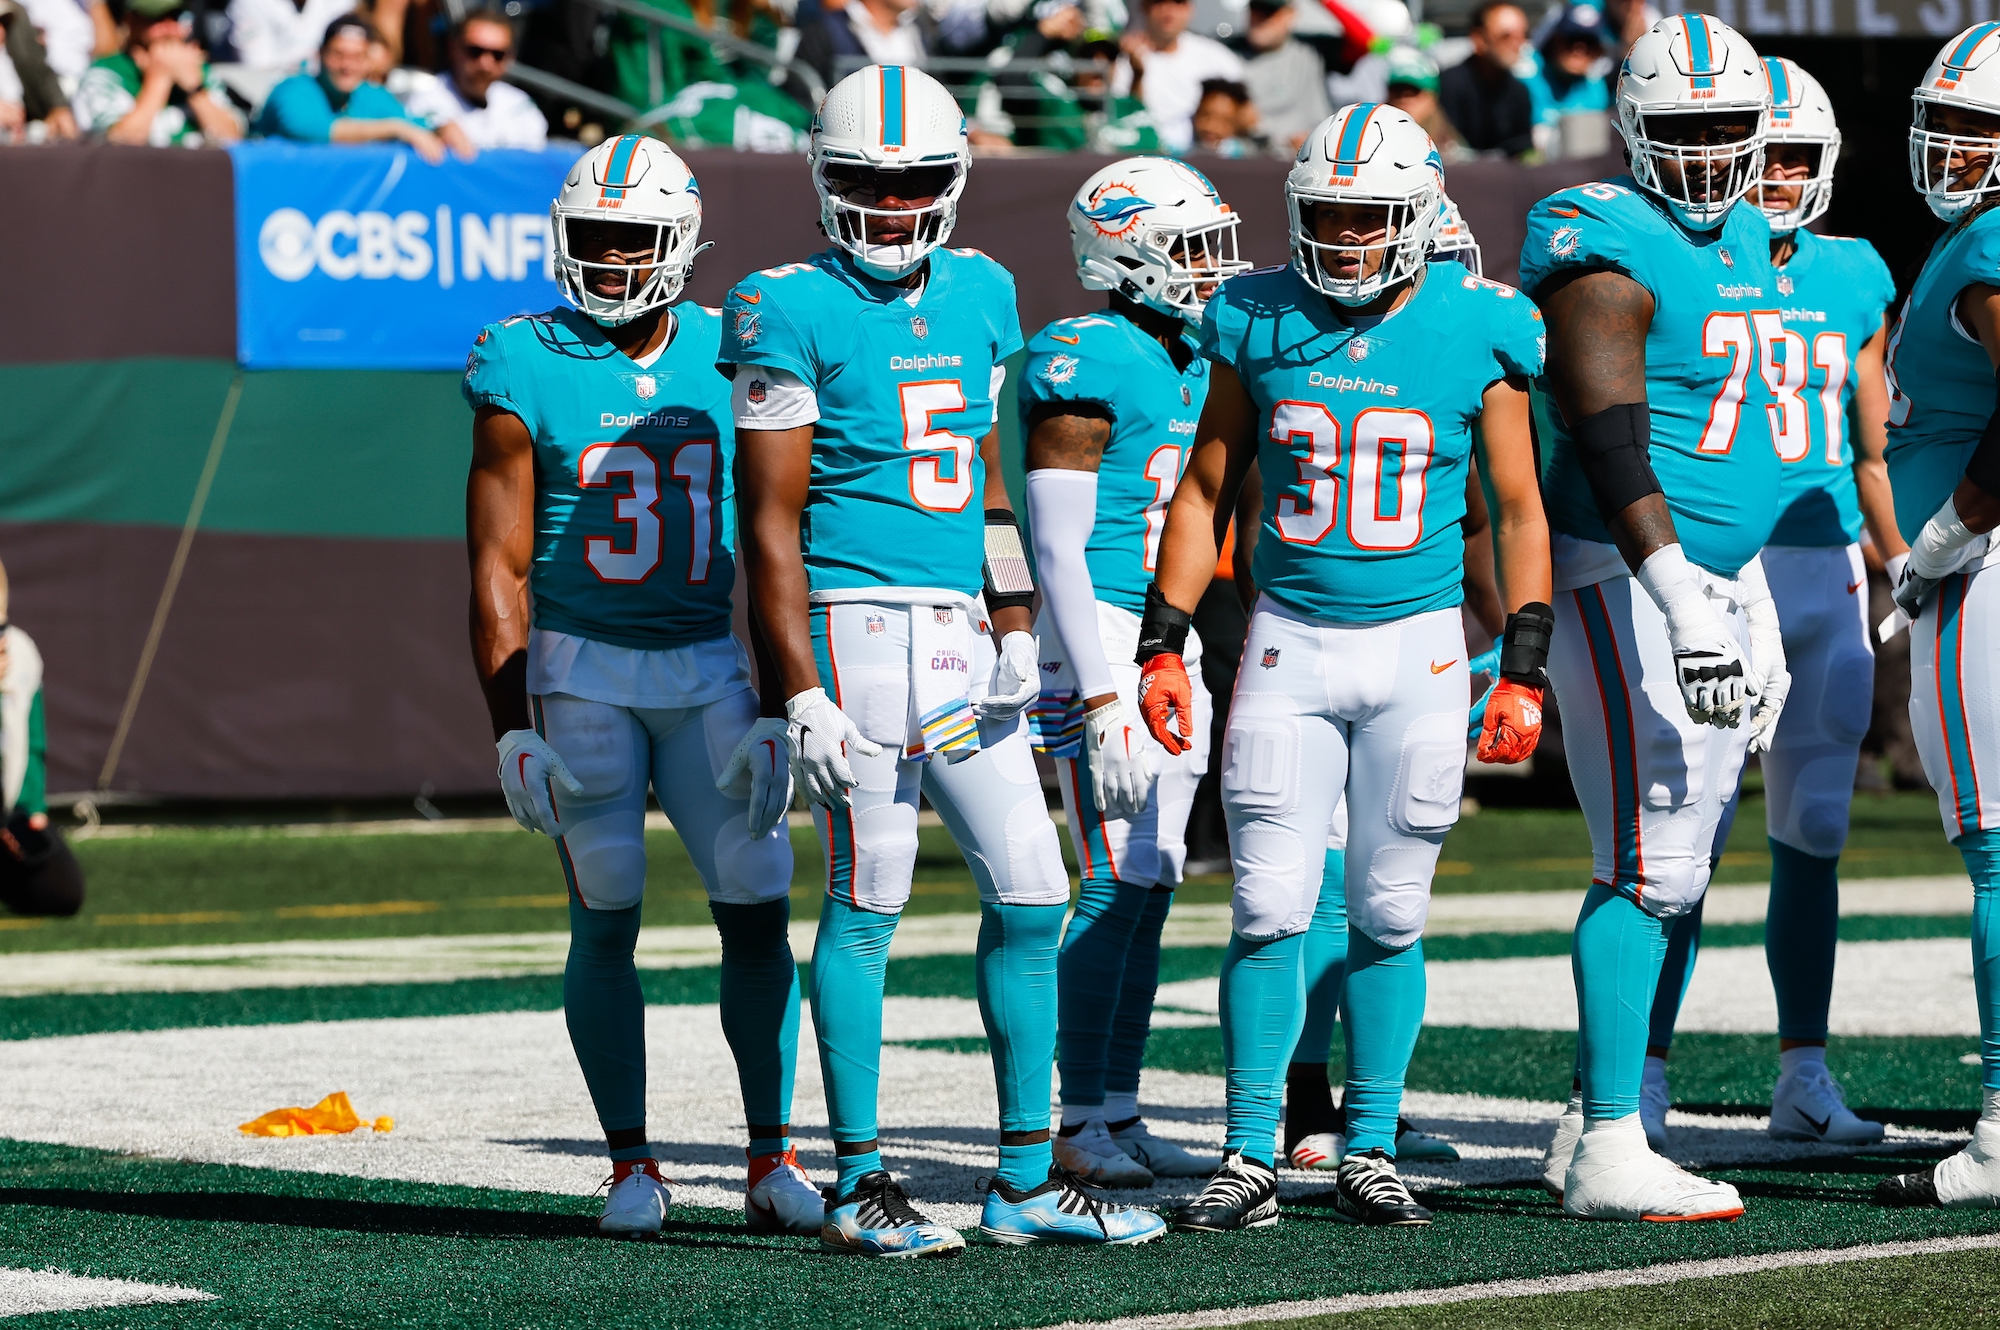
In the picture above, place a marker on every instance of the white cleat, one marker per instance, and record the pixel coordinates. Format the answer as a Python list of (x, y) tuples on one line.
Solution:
[(781, 1198), (1654, 1100), (1612, 1175), (1808, 1105), (1968, 1180), (1322, 1151), (1569, 1129), (1161, 1158), (638, 1202), (1092, 1155)]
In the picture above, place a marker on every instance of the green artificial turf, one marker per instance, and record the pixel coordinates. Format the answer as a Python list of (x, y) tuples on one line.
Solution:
[(293, 1249)]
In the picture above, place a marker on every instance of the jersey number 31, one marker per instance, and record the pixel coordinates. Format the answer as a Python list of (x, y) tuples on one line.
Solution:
[(633, 554)]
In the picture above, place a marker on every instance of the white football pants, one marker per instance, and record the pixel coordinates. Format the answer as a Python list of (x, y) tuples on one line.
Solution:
[(1955, 696), (1375, 712), (1822, 598)]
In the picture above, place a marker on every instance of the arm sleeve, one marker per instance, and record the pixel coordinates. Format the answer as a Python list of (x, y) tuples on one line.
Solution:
[(297, 109), (1062, 510), (1574, 231), (486, 380), (766, 397), (35, 781)]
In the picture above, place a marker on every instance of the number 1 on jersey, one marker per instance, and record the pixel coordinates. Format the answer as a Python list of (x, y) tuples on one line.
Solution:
[(694, 463), (1163, 468)]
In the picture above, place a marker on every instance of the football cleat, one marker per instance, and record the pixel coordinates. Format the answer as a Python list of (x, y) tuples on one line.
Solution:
[(1613, 1175), (1161, 1158), (638, 1202), (1654, 1099), (1968, 1180), (1242, 1194), (1367, 1191), (1063, 1209), (1808, 1106), (781, 1198), (1319, 1151), (1569, 1129), (1420, 1147), (1091, 1155), (877, 1219)]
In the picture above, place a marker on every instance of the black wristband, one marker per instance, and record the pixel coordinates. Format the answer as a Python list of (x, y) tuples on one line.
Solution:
[(1163, 629), (1008, 582), (1984, 468), (1524, 646), (1615, 449)]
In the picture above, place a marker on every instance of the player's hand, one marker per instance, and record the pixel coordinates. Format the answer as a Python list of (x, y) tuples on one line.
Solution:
[(1121, 771), (1513, 724), (1944, 546), (760, 770), (1769, 678), (1166, 702), (527, 765), (818, 733), (1016, 679), (1708, 665)]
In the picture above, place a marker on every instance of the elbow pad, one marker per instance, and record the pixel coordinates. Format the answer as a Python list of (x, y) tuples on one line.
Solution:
[(1163, 629), (1615, 449), (1984, 468), (1008, 581), (1524, 647)]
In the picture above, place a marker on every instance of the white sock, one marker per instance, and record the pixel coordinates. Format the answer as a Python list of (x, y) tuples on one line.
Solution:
[(1792, 1059), (1120, 1105), (1989, 1111), (1076, 1115)]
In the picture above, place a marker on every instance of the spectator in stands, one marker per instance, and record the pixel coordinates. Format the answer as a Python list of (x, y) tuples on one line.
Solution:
[(38, 874), (882, 32), (1287, 78), (1625, 22), (1489, 106), (340, 105), (1570, 81), (281, 36), (1164, 66), (471, 95), (73, 33), (1413, 89), (1225, 121), (34, 93), (159, 90)]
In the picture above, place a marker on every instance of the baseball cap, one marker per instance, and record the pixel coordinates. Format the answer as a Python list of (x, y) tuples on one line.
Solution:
[(1410, 66), (155, 9), (1578, 22)]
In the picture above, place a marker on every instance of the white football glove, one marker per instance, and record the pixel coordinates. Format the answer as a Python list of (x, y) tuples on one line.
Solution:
[(527, 765), (1708, 665), (1944, 546), (1114, 750), (815, 730), (1768, 675), (1016, 679), (760, 770)]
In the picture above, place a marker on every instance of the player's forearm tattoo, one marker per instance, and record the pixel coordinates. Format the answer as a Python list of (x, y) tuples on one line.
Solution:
[(1067, 441)]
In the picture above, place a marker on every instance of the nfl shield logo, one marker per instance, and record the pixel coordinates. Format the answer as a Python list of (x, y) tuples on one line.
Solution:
[(919, 327), (1784, 286), (942, 613), (1727, 260), (876, 627), (1357, 350), (645, 387), (1270, 661), (757, 391), (1187, 397)]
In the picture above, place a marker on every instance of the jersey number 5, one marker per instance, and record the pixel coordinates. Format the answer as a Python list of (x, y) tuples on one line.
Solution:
[(929, 485), (694, 464), (1392, 456)]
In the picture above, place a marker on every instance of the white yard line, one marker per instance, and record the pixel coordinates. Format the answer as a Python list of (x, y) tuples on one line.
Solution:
[(1673, 1273), (25, 1292)]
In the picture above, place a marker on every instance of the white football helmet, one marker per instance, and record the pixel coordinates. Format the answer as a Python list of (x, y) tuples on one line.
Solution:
[(888, 130), (638, 181), (1155, 231), (1965, 75), (1801, 114), (1454, 240), (1693, 65), (1368, 154)]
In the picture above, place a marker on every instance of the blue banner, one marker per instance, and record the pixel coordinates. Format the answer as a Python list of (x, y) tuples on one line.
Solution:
[(367, 258)]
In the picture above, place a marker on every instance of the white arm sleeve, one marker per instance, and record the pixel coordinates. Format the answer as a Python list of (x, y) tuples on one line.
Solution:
[(1062, 509), (766, 397)]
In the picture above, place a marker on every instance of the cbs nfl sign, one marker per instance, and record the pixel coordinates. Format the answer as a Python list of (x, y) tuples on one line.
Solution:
[(367, 258)]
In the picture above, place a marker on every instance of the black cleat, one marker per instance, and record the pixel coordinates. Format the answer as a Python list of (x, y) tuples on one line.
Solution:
[(1366, 1190), (1909, 1190), (1242, 1194)]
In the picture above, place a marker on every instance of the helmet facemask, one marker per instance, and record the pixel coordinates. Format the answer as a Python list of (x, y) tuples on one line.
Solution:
[(1701, 181), (1174, 270), (659, 254), (1391, 240), (1954, 164), (1784, 212), (849, 190)]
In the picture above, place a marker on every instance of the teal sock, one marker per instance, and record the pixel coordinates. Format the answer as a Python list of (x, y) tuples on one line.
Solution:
[(850, 955), (1615, 961), (1683, 934), (1025, 1167), (1263, 1005), (769, 1145), (760, 1005), (1801, 933), (1981, 852), (1385, 1010), (1325, 962), (1091, 972), (853, 1168), (1015, 965), (1126, 1051), (606, 1014)]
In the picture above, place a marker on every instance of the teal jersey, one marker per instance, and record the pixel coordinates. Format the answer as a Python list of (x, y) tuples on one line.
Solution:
[(1367, 433), (1108, 359), (1832, 294), (1710, 353), (906, 394), (633, 498), (1940, 379)]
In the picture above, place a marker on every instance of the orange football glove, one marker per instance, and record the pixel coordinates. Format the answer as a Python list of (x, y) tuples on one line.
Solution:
[(1166, 696), (1513, 724)]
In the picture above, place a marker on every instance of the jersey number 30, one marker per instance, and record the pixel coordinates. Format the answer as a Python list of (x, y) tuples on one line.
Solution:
[(1385, 479), (633, 554)]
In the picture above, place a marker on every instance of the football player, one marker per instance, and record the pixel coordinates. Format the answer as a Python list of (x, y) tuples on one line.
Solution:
[(1108, 407), (1662, 486), (1825, 376), (600, 479), (866, 380), (1361, 377), (1944, 462)]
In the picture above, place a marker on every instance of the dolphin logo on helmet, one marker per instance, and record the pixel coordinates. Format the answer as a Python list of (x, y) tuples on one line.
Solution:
[(1155, 231)]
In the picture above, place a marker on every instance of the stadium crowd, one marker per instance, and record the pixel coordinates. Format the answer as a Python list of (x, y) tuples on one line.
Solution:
[(1526, 80)]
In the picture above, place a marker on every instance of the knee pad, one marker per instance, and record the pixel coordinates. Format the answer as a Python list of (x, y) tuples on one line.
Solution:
[(1033, 872), (885, 855), (1260, 769), (1674, 885), (747, 871), (1276, 887), (1395, 897), (1821, 798), (1846, 703), (608, 856), (1431, 778)]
